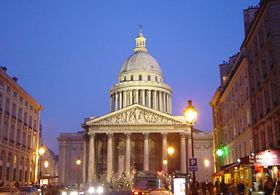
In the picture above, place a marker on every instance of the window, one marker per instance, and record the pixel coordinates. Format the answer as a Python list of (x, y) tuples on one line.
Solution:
[(149, 77), (131, 78), (140, 77), (7, 108), (156, 79)]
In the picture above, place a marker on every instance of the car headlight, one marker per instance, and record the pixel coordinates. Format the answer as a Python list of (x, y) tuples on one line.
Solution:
[(100, 190), (74, 193), (63, 193), (91, 190)]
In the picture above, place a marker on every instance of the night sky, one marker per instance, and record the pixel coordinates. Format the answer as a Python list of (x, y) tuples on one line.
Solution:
[(68, 54)]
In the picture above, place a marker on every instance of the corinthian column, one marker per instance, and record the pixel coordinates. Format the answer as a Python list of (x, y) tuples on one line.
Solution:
[(127, 154), (137, 96), (160, 101), (155, 104), (149, 98), (143, 98), (146, 152), (120, 100), (109, 156), (164, 102), (124, 99), (183, 153), (130, 97), (91, 158), (116, 101), (164, 150)]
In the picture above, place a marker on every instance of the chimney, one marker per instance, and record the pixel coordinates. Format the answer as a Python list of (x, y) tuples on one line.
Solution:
[(249, 16)]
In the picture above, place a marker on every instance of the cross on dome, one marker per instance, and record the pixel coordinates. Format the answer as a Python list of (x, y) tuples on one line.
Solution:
[(140, 42)]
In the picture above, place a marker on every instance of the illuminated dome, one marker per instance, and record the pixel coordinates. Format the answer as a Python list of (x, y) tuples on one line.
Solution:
[(141, 61)]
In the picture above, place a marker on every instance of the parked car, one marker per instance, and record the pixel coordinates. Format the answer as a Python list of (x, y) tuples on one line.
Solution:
[(28, 190), (9, 191)]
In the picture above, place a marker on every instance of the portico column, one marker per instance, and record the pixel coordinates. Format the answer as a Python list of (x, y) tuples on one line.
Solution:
[(91, 158), (116, 101), (124, 99), (143, 98), (146, 152), (120, 101), (127, 154), (164, 151), (149, 98), (170, 104), (84, 157), (183, 153), (167, 103), (109, 156)]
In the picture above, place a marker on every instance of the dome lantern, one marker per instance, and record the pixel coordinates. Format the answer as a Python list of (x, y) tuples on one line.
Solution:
[(140, 43)]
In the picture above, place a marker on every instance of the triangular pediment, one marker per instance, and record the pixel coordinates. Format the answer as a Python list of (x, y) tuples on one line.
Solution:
[(136, 115)]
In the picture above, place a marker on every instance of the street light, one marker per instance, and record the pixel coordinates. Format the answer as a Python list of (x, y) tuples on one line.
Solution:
[(190, 114), (78, 162), (41, 151)]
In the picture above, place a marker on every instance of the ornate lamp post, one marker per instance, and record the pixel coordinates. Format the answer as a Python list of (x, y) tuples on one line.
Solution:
[(190, 114), (41, 151), (78, 163)]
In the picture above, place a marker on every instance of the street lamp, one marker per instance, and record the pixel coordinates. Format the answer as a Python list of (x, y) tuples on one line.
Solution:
[(41, 151), (78, 162), (190, 114)]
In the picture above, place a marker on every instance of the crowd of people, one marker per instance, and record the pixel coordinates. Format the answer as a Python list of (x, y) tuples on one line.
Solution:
[(221, 188)]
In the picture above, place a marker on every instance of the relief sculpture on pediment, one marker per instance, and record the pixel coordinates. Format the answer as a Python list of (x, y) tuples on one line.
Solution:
[(134, 116)]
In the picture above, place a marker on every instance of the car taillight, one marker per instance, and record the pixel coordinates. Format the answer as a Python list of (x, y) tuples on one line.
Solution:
[(137, 193)]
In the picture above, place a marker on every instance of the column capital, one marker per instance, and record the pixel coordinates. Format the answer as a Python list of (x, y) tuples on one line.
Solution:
[(146, 134), (183, 134), (127, 134), (164, 134), (91, 134), (110, 134)]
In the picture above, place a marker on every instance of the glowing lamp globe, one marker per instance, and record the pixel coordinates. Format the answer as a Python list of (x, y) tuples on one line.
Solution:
[(190, 113)]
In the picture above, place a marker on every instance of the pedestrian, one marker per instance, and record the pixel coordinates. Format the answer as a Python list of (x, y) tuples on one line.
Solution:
[(223, 187), (277, 188), (240, 188), (217, 186), (203, 187), (195, 187), (268, 186), (210, 188), (231, 188)]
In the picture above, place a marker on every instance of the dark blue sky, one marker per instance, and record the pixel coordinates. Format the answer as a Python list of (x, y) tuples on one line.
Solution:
[(67, 54)]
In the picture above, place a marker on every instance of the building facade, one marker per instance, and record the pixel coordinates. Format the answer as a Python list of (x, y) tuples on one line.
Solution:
[(246, 106), (70, 150), (140, 127), (19, 132), (48, 165)]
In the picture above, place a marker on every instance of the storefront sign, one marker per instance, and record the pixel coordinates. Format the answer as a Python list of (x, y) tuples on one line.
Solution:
[(268, 158)]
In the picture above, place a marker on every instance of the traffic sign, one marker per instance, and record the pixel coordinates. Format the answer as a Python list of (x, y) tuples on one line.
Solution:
[(193, 164)]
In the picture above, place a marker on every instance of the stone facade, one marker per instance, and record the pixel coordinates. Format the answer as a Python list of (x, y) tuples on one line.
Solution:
[(70, 150), (141, 126), (246, 106), (19, 132), (49, 166)]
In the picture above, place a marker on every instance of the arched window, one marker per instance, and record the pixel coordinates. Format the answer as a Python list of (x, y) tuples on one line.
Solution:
[(2, 163), (140, 77), (9, 163), (149, 77), (131, 78)]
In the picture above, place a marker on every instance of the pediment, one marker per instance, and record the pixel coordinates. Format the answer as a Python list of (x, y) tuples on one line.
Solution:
[(136, 115)]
